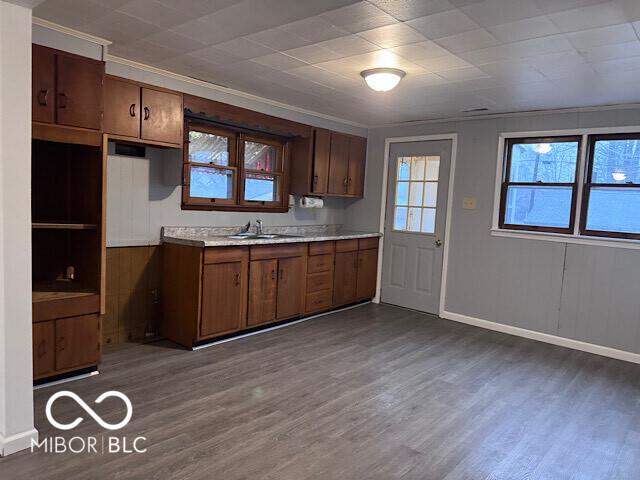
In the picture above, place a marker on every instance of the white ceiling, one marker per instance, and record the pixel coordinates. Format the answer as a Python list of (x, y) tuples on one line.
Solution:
[(504, 55)]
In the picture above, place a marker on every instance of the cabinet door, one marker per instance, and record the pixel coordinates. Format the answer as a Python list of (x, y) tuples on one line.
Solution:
[(357, 158), (290, 287), (42, 84), (222, 296), (263, 281), (338, 164), (77, 341), (345, 278), (367, 273), (161, 116), (121, 107), (321, 151), (43, 348), (79, 92)]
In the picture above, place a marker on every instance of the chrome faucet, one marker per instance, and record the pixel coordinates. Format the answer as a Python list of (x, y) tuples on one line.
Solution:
[(259, 227)]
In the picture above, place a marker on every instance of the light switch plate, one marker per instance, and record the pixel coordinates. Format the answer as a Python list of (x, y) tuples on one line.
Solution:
[(469, 203)]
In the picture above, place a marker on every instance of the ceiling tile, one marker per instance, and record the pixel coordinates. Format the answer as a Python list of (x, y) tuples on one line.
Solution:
[(553, 6), (313, 54), (516, 50), (195, 7), (461, 74), (348, 45), (157, 13), (512, 71), (359, 17), (611, 52), (352, 66), (174, 41), (392, 35), (410, 9), (524, 29), (121, 28), (496, 12), (594, 16), (314, 29), (617, 65), (440, 64), (279, 61), (421, 51), (471, 40), (595, 37), (278, 39), (215, 56), (71, 13), (443, 24), (243, 48)]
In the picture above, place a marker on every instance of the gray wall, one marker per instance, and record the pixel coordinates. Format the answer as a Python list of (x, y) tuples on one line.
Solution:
[(143, 194), (587, 293)]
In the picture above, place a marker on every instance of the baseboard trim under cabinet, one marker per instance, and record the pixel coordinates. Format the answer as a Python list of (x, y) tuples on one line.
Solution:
[(65, 377)]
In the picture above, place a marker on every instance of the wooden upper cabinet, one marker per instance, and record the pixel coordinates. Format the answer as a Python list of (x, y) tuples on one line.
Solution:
[(345, 277), (79, 91), (43, 84), (223, 288), (321, 152), (338, 164), (357, 160), (162, 115), (291, 273), (121, 107)]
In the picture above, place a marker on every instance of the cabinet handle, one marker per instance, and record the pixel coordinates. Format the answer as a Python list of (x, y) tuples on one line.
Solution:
[(315, 179), (237, 279), (62, 100), (132, 110), (344, 182), (273, 274), (147, 112), (281, 274), (42, 97)]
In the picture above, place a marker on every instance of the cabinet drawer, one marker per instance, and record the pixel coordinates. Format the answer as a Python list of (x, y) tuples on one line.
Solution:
[(320, 263), (262, 252), (319, 248), (318, 301), (367, 243), (224, 254), (347, 245), (319, 281)]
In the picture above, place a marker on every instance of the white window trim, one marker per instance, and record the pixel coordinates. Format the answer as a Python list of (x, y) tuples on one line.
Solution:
[(574, 237)]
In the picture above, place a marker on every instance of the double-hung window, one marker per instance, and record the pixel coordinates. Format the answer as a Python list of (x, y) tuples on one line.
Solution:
[(229, 169), (612, 190), (548, 186), (539, 184)]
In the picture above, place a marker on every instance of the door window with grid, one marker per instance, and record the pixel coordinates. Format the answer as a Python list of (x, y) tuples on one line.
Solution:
[(416, 194)]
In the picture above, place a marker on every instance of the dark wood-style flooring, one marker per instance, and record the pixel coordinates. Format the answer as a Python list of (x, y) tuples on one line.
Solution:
[(371, 393)]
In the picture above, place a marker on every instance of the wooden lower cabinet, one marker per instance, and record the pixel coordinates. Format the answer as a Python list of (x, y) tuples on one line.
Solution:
[(77, 341), (44, 358), (367, 273), (345, 278), (209, 292), (223, 288), (263, 290)]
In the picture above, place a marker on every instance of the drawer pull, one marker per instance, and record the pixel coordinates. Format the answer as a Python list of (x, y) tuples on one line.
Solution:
[(132, 110), (42, 97)]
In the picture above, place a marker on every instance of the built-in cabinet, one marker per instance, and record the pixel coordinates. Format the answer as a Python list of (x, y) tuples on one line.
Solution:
[(210, 292), (66, 89), (144, 113), (329, 163)]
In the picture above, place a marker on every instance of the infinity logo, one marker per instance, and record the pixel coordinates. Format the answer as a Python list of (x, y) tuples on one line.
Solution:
[(89, 410)]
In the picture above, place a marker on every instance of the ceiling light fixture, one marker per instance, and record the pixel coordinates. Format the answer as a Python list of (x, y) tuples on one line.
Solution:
[(382, 79)]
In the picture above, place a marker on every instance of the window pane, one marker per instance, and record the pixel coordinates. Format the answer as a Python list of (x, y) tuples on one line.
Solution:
[(614, 210), (430, 194), (258, 156), (414, 219), (544, 162), (433, 168), (616, 161), (207, 182), (262, 188), (404, 166), (415, 194), (417, 168), (400, 219), (402, 195), (429, 220), (208, 148), (538, 206)]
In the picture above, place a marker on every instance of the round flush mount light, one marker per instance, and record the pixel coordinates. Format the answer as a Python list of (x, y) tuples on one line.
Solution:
[(382, 79)]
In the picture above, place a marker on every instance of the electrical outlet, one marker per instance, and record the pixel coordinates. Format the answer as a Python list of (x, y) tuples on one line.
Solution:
[(469, 203)]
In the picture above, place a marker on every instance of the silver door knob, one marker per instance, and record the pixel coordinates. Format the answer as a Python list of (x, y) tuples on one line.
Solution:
[(438, 243)]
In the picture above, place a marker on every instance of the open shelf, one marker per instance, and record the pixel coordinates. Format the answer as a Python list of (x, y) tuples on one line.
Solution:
[(64, 226)]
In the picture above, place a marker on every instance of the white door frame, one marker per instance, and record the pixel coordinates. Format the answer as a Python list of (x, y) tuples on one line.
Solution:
[(383, 205)]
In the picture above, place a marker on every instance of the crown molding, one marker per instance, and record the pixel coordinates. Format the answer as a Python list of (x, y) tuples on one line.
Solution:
[(70, 31)]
